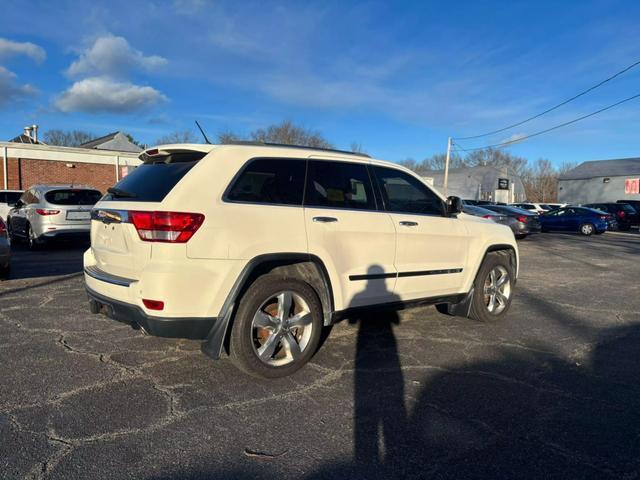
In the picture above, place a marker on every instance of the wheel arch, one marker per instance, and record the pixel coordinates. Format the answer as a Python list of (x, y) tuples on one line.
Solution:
[(309, 268)]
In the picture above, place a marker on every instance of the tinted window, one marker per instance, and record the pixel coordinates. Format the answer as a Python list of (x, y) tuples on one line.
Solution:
[(12, 197), (73, 196), (270, 180), (404, 193), (155, 178), (339, 185)]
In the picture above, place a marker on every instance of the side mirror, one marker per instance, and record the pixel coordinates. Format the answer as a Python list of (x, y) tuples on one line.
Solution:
[(454, 206)]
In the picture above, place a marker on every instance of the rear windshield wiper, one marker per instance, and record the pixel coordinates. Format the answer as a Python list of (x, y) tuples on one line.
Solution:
[(118, 192)]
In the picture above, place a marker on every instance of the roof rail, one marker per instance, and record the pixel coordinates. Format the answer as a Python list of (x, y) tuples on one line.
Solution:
[(284, 145)]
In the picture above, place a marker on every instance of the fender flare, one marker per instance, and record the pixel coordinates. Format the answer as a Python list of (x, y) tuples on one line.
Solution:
[(213, 344)]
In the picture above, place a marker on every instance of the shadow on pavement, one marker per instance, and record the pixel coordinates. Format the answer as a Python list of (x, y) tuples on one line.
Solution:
[(54, 259)]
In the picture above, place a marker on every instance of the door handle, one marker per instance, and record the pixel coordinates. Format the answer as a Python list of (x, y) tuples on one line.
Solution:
[(405, 223), (325, 219)]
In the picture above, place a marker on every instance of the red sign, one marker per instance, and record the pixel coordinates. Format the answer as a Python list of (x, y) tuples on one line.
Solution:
[(632, 185)]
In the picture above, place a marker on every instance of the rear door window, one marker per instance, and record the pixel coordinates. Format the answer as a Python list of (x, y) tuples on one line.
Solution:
[(276, 181), (339, 185), (72, 196), (155, 178)]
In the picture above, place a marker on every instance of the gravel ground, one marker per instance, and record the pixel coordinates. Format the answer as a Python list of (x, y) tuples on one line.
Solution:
[(553, 392)]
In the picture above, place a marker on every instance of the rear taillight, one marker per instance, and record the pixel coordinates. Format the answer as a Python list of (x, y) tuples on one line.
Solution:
[(522, 218), (46, 211), (604, 217), (487, 216), (169, 227), (620, 213), (3, 227)]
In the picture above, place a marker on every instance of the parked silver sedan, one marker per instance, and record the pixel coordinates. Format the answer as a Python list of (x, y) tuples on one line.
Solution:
[(47, 212), (491, 215), (5, 250)]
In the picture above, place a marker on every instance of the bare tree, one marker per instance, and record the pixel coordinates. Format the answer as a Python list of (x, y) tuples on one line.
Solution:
[(285, 132), (356, 147), (228, 137), (179, 136), (67, 138)]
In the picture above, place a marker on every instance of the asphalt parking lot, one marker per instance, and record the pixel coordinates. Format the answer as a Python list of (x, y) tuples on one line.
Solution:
[(554, 392)]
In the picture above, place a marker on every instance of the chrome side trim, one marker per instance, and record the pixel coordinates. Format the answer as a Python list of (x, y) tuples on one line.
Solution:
[(95, 272)]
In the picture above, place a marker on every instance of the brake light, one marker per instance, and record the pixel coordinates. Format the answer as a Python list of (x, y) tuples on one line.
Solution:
[(621, 213), (487, 216), (46, 211), (3, 227), (522, 218), (604, 217), (169, 227), (153, 304)]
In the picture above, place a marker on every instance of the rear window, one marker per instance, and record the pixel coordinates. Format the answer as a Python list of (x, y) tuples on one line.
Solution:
[(155, 178), (10, 197), (72, 196), (628, 208)]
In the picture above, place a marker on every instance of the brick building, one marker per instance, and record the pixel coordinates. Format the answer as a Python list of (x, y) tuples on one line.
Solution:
[(25, 164)]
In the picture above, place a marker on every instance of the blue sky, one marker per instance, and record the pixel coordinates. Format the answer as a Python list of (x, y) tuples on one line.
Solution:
[(397, 77)]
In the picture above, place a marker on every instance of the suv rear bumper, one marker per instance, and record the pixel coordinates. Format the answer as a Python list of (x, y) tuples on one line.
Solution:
[(192, 328)]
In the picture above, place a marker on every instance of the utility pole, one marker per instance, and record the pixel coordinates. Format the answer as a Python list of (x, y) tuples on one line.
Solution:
[(446, 167)]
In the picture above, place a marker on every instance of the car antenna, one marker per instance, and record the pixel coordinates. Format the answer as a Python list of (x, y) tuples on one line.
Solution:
[(203, 134)]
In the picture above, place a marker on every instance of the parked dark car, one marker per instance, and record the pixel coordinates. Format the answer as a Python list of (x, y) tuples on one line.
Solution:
[(525, 222), (634, 203), (576, 219), (5, 250), (625, 214), (481, 203), (491, 215)]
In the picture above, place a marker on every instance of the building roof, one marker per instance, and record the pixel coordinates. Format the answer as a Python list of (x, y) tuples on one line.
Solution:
[(604, 168), (116, 141), (22, 138)]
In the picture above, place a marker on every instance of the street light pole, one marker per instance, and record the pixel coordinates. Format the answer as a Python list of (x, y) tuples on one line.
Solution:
[(446, 167)]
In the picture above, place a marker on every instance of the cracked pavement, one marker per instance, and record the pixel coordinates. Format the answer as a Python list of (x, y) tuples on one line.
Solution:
[(552, 392)]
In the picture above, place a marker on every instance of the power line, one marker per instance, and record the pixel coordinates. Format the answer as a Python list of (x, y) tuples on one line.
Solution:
[(553, 108), (516, 140)]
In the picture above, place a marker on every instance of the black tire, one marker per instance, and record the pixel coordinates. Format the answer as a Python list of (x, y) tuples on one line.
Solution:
[(587, 229), (242, 344), (5, 271), (10, 234), (520, 236), (32, 242), (624, 228), (479, 303)]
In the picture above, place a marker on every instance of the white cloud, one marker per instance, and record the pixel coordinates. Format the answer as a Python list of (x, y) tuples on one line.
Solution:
[(10, 89), (515, 138), (111, 55), (9, 48), (102, 94)]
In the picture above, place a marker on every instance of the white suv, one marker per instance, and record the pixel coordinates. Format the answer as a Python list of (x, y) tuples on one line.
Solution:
[(255, 248)]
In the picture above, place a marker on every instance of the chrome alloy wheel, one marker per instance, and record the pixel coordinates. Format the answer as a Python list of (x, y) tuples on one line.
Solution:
[(586, 229), (281, 329), (497, 290)]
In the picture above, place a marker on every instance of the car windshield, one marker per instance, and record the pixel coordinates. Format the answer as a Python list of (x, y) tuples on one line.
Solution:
[(73, 196)]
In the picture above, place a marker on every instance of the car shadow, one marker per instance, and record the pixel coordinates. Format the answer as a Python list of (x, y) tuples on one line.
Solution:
[(513, 412), (53, 259)]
